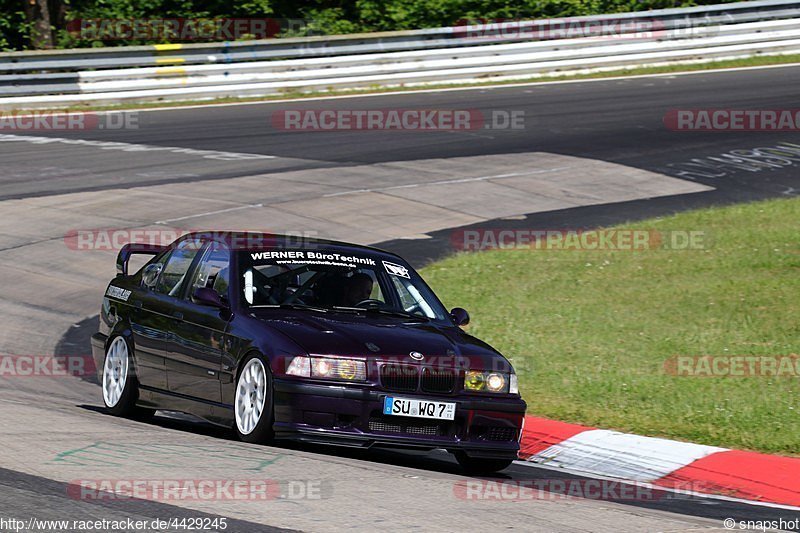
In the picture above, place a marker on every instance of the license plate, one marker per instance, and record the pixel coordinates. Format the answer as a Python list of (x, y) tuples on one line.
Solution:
[(419, 408)]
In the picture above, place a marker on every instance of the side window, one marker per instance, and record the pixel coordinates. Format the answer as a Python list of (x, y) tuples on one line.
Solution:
[(213, 271), (174, 272)]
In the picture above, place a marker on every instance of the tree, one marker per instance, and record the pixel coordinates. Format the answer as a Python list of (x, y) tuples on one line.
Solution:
[(37, 12)]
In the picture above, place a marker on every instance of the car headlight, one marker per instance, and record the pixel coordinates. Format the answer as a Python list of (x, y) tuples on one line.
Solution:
[(495, 382), (327, 368), (498, 382)]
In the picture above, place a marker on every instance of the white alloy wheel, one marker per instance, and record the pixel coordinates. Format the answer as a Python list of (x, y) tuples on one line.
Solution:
[(250, 395), (115, 372)]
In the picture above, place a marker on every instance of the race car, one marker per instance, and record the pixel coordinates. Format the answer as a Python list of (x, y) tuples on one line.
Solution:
[(311, 340)]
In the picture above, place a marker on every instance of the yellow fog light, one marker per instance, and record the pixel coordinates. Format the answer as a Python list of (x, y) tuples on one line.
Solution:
[(474, 380)]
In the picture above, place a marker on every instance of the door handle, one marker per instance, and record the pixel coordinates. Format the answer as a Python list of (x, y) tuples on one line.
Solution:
[(178, 315)]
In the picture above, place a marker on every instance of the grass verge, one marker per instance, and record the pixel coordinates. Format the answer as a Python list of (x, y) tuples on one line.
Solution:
[(590, 331)]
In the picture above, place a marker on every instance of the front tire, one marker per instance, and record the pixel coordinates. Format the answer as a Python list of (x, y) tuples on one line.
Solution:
[(478, 466), (120, 387), (253, 401)]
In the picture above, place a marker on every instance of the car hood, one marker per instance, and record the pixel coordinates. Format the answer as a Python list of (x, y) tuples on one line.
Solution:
[(382, 338)]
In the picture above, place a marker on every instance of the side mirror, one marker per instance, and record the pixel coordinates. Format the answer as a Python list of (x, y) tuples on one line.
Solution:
[(150, 275), (209, 297), (460, 316)]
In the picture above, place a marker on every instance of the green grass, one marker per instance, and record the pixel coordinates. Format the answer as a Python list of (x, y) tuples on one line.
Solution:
[(756, 61), (589, 331)]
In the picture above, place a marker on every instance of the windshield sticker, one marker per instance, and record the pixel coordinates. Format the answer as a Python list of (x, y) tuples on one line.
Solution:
[(301, 256), (249, 290), (396, 270), (116, 292)]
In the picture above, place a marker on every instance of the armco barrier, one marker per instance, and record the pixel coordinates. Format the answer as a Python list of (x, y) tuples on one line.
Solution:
[(440, 55)]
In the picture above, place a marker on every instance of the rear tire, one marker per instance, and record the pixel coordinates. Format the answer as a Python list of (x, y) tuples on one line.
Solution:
[(478, 466), (253, 408)]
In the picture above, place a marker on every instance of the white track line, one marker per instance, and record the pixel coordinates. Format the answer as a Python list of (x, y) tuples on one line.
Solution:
[(238, 208), (444, 182), (135, 147)]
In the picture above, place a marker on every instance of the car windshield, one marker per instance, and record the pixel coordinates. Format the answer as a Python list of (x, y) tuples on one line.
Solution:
[(336, 282)]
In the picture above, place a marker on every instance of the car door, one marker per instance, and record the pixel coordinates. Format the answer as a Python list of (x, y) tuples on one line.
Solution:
[(195, 345), (152, 311), (149, 327)]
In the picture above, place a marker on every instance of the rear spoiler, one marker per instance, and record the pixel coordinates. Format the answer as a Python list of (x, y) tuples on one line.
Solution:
[(135, 248)]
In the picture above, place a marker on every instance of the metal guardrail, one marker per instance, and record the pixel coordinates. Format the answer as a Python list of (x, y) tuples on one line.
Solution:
[(454, 54)]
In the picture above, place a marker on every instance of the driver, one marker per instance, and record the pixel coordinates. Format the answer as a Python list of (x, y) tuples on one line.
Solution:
[(357, 289)]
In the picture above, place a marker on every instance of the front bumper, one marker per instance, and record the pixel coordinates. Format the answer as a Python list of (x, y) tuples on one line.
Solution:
[(484, 427)]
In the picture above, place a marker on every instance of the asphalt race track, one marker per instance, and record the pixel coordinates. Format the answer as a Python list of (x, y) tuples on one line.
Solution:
[(589, 154)]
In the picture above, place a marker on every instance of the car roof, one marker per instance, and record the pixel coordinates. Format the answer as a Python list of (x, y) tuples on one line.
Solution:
[(276, 240)]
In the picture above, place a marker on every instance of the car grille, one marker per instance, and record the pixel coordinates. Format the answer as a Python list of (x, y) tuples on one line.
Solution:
[(400, 377), (409, 428), (438, 380)]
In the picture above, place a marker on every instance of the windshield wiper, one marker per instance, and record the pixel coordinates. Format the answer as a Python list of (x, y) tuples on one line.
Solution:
[(301, 307), (350, 310), (342, 309), (405, 314), (389, 312)]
